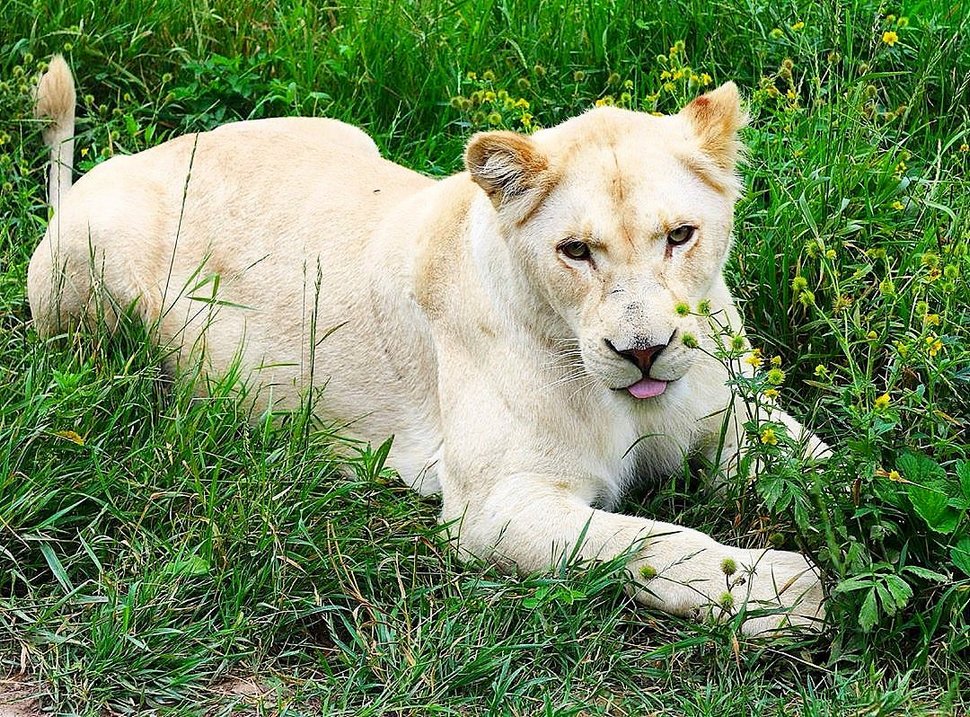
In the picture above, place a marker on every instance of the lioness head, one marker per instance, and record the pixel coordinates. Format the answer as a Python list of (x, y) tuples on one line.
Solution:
[(620, 221)]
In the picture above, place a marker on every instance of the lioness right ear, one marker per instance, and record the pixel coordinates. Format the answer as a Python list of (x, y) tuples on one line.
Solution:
[(508, 166), (716, 118)]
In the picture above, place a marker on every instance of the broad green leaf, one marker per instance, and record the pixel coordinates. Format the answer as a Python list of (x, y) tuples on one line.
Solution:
[(963, 473), (853, 584), (933, 507), (868, 613), (960, 555), (920, 469), (191, 566), (900, 589), (886, 599), (925, 573)]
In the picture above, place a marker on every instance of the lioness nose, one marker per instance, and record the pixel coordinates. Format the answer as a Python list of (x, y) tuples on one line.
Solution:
[(641, 358)]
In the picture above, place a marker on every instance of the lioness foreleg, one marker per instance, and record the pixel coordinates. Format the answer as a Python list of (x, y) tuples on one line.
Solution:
[(531, 522)]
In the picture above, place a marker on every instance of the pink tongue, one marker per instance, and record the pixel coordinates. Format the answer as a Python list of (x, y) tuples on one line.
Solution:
[(647, 388)]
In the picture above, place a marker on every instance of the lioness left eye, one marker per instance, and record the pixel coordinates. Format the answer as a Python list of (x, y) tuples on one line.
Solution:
[(575, 250), (680, 235)]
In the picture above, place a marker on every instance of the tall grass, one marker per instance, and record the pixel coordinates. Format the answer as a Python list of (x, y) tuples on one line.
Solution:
[(154, 546)]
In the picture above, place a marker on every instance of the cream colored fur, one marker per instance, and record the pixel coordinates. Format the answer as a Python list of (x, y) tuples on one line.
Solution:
[(446, 314)]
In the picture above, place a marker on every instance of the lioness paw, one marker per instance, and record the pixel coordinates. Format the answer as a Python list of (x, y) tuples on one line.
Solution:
[(783, 590)]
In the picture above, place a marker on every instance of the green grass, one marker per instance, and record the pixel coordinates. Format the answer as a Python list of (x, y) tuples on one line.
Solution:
[(154, 545)]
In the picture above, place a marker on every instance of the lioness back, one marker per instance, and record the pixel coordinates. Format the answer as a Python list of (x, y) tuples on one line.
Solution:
[(253, 243)]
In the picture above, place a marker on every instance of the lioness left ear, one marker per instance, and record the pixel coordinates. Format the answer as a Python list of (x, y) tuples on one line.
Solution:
[(716, 118), (508, 166)]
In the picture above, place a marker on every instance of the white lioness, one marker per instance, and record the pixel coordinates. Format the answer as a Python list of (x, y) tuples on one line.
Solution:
[(513, 326)]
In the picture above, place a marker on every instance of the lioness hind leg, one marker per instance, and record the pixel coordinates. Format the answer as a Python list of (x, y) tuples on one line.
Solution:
[(59, 289), (71, 282)]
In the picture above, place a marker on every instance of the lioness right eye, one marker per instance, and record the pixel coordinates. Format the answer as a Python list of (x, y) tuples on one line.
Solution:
[(680, 235), (575, 250)]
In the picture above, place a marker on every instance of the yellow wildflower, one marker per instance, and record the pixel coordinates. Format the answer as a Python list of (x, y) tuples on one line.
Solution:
[(882, 402), (931, 320), (894, 476), (898, 206), (72, 436), (772, 394), (965, 147), (768, 437), (890, 37), (798, 26), (933, 345)]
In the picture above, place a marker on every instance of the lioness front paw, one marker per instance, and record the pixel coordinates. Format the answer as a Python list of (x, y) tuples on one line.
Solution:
[(779, 589)]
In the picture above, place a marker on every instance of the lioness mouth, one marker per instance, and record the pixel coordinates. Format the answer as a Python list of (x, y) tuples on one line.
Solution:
[(647, 388)]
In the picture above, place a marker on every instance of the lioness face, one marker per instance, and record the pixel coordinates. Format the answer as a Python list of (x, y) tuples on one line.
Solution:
[(621, 222)]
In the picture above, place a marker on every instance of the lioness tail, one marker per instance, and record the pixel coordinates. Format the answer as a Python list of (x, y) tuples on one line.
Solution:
[(55, 103)]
